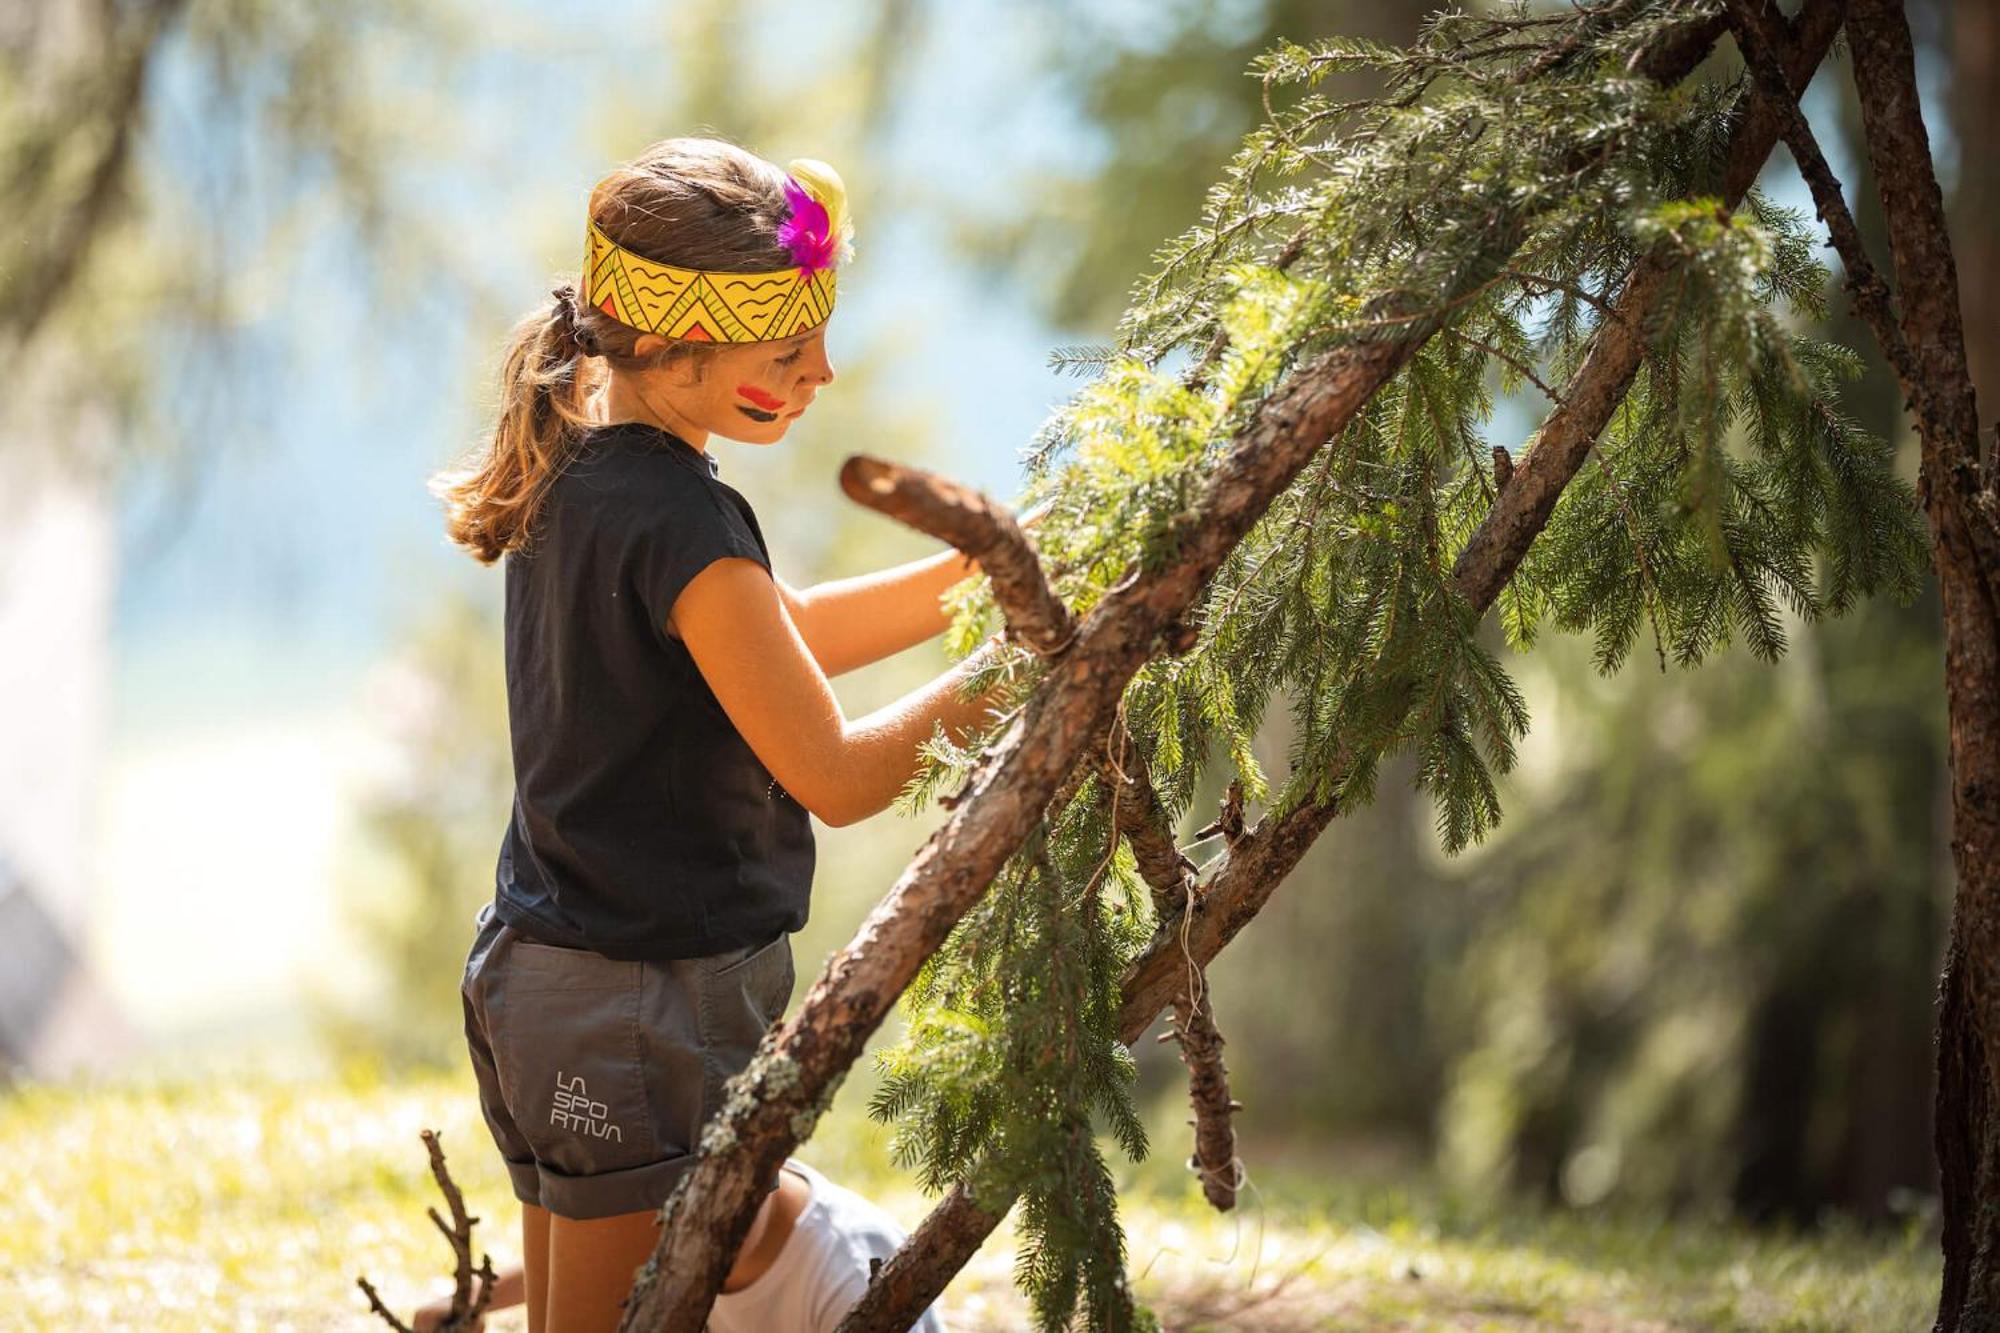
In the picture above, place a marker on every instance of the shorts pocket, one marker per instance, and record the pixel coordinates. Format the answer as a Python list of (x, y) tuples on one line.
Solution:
[(567, 1048), (741, 997), (533, 966)]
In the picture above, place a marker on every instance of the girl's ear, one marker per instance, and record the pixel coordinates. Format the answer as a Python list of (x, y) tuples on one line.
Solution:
[(648, 345)]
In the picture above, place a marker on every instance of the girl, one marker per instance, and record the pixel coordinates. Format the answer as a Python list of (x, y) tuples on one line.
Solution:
[(671, 722)]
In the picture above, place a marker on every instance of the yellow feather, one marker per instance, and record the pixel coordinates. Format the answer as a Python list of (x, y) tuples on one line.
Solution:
[(823, 183)]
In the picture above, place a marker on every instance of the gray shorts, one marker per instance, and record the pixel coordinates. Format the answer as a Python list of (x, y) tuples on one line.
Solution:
[(596, 1074)]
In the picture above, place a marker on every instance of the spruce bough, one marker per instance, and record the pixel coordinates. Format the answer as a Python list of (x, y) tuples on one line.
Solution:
[(1304, 498)]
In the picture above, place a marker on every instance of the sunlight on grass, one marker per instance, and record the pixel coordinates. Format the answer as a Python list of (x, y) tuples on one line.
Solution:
[(252, 1202)]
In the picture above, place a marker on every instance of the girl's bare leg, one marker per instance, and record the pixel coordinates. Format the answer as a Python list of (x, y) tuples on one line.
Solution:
[(590, 1268), (535, 1264), (528, 1283)]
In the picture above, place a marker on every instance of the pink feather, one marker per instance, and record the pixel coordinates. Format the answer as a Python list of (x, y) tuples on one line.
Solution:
[(808, 232)]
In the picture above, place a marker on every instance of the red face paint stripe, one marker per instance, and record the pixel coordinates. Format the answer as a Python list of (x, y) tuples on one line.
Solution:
[(769, 402)]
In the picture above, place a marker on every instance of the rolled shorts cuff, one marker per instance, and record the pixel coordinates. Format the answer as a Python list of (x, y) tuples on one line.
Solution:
[(635, 1189), (606, 1194)]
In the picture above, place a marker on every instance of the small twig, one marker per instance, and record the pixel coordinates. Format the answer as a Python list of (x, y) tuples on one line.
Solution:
[(468, 1306), (1526, 372), (1229, 822), (375, 1304)]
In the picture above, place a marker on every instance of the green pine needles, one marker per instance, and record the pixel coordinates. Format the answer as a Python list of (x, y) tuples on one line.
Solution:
[(1496, 195)]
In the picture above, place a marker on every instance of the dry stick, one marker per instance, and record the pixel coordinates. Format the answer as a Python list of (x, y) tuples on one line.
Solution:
[(946, 1239), (1214, 1157), (1137, 815), (466, 1309)]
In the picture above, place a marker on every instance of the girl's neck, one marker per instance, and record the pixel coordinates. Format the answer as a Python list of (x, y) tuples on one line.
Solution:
[(623, 400)]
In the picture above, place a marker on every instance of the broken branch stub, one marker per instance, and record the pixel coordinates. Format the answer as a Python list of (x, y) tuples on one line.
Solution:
[(986, 532)]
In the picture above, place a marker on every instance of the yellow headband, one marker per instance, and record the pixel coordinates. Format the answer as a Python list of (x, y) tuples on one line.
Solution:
[(703, 306)]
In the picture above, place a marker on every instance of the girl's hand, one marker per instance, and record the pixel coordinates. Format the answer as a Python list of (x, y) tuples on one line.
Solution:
[(431, 1315)]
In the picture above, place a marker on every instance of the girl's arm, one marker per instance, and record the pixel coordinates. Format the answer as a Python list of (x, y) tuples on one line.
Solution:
[(735, 626), (851, 622)]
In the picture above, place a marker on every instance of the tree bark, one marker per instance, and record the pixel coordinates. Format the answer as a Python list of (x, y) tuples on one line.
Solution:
[(1958, 500), (1244, 880)]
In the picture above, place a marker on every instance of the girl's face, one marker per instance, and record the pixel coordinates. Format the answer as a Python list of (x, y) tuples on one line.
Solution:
[(751, 391)]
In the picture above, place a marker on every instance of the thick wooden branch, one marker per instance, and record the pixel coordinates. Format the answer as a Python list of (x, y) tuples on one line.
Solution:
[(985, 531), (1242, 882)]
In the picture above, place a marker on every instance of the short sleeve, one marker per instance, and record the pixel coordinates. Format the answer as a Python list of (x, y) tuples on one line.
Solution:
[(679, 538)]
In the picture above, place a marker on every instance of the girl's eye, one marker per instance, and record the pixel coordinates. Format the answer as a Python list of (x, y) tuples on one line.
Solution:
[(787, 360)]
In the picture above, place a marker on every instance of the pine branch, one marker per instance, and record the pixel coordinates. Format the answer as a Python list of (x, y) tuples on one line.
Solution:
[(775, 1102), (1243, 882)]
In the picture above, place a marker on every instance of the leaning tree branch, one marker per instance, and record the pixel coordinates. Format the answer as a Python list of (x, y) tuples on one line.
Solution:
[(1241, 883)]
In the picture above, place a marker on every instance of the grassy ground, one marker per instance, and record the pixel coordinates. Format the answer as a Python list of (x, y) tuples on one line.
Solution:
[(251, 1201)]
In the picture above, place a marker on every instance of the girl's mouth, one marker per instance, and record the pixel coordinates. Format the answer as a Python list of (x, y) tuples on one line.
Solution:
[(766, 405)]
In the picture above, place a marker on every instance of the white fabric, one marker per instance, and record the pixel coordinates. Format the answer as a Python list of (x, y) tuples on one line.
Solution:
[(821, 1271)]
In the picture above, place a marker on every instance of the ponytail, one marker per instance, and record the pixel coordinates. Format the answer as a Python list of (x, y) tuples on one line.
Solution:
[(492, 496)]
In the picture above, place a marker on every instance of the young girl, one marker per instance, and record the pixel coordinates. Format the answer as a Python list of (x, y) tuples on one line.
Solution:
[(671, 722)]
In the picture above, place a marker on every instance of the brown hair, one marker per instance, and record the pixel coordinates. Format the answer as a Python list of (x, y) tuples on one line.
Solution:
[(696, 202)]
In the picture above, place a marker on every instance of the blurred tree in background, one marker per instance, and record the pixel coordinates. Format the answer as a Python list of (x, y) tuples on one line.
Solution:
[(165, 164), (428, 837)]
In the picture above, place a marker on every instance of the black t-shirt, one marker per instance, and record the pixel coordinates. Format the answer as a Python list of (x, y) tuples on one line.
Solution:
[(644, 826)]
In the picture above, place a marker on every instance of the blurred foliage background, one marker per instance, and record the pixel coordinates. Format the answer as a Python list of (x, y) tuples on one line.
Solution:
[(1691, 971)]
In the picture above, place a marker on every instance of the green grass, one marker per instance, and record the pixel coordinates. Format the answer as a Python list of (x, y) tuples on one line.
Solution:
[(251, 1200)]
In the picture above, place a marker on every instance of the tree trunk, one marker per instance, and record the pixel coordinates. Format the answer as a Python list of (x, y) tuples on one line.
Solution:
[(1958, 498)]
